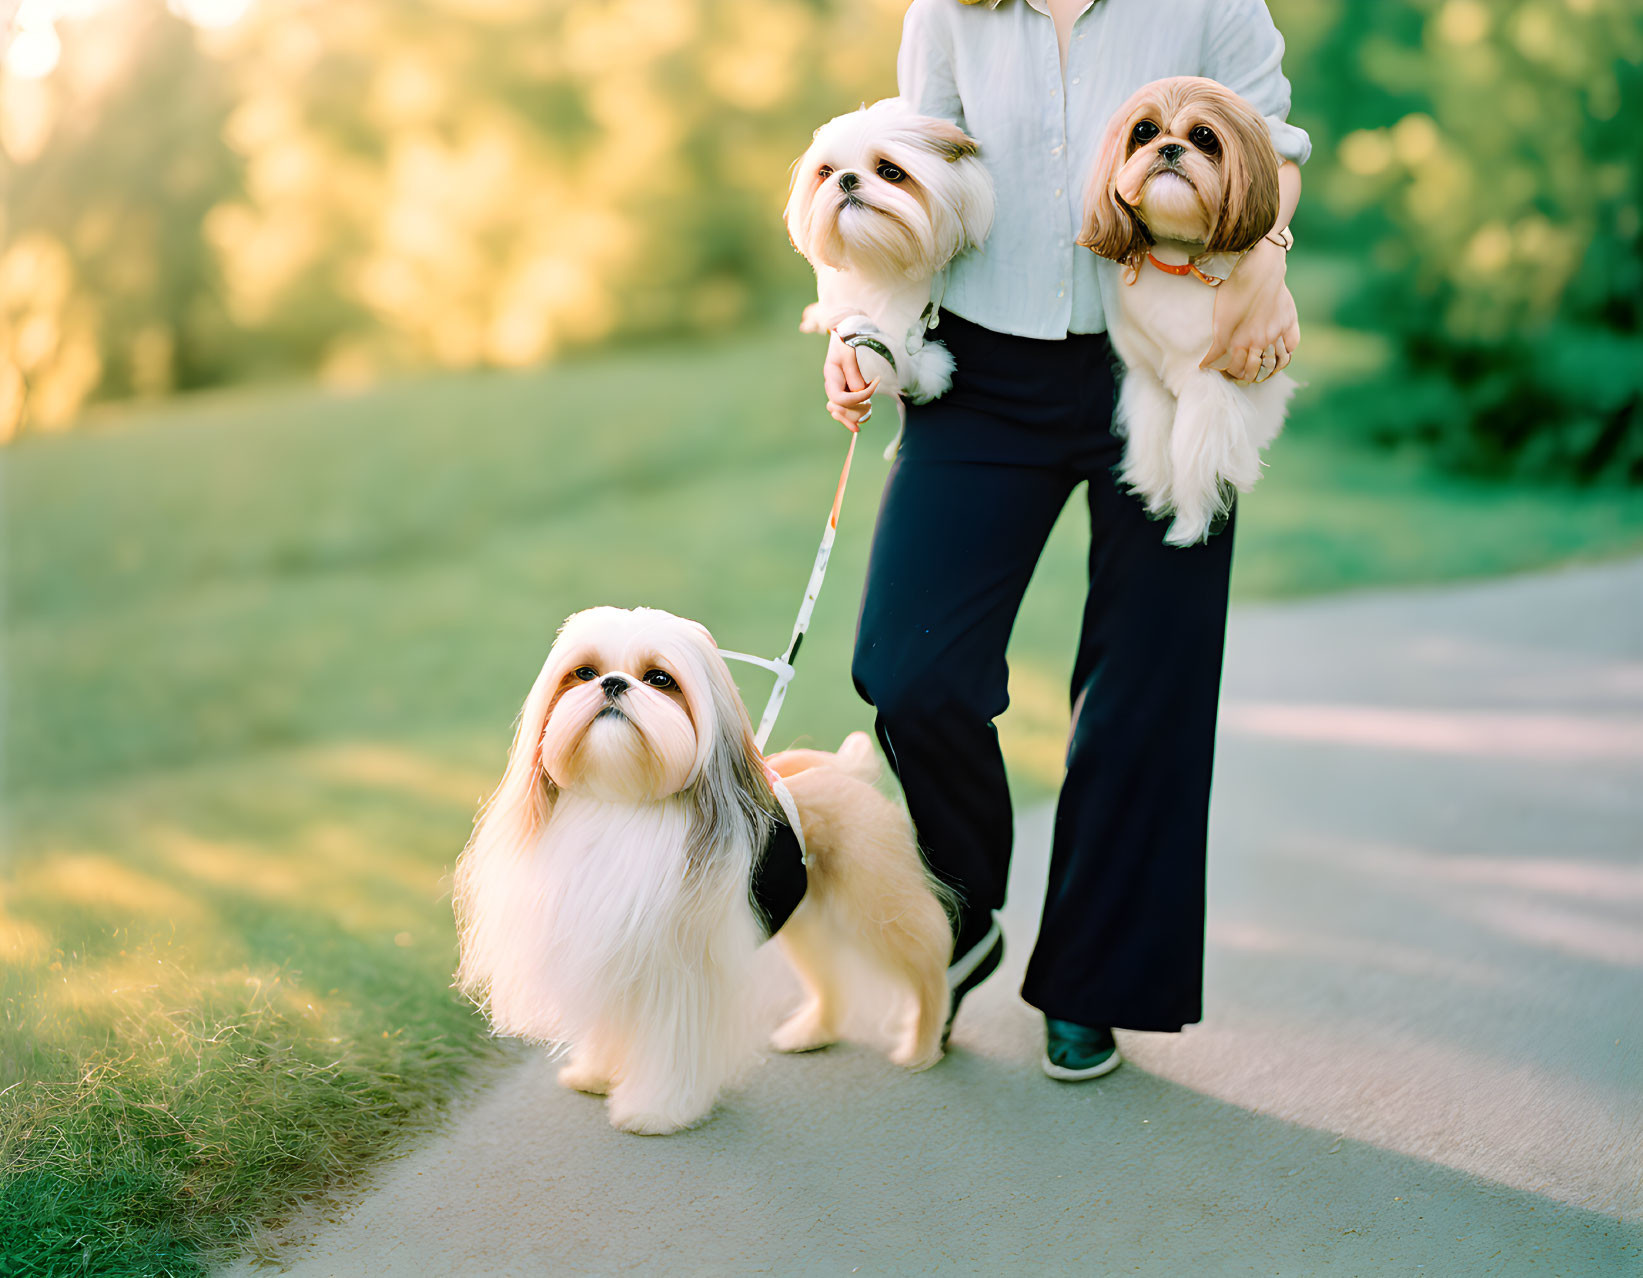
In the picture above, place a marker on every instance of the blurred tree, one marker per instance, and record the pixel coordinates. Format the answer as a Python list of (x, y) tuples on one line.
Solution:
[(293, 185), (1481, 160), (107, 169), (382, 184)]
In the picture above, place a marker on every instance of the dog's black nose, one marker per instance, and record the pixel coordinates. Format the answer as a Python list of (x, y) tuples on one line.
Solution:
[(614, 685), (848, 182), (1172, 151)]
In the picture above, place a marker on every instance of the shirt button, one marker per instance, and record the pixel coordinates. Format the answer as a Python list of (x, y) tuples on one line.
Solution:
[(1075, 79), (1058, 192), (1055, 150), (1061, 293)]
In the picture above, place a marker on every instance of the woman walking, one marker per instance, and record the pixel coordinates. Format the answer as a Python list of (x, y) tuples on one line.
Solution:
[(981, 477)]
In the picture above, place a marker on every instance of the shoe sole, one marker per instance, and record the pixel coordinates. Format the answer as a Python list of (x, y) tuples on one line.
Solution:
[(983, 959), (1062, 1074), (980, 952)]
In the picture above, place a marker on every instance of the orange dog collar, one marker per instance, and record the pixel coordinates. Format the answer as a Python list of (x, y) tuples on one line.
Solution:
[(1187, 268)]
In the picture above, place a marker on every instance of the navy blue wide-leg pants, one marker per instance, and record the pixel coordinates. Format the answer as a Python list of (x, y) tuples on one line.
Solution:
[(982, 474)]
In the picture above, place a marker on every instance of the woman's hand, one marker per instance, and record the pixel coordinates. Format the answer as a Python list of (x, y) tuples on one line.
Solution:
[(849, 395), (1256, 329)]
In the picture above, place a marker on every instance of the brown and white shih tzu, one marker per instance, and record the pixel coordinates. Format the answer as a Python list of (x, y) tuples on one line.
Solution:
[(604, 899), (883, 199), (1186, 182)]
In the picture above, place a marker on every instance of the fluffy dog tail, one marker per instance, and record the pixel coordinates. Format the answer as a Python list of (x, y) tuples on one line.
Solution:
[(927, 373), (858, 758), (855, 758)]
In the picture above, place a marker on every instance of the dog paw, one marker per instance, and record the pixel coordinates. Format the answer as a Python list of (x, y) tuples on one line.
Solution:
[(579, 1077), (803, 1032), (641, 1120), (644, 1124), (915, 1056)]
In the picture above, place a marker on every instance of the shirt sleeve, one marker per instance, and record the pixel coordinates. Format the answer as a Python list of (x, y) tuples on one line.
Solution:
[(924, 67), (1245, 52)]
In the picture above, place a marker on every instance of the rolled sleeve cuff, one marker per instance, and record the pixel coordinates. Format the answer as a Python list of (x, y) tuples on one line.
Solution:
[(1290, 142)]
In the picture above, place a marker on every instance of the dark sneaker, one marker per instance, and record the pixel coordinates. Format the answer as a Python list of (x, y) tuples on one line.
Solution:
[(979, 962), (1073, 1053)]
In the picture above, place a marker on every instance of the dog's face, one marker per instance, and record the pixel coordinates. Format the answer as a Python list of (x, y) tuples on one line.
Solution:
[(888, 192), (1184, 159), (639, 703)]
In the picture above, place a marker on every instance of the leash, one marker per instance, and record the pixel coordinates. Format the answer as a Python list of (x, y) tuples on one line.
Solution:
[(782, 666)]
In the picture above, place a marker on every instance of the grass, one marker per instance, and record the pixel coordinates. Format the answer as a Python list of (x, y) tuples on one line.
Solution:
[(262, 651)]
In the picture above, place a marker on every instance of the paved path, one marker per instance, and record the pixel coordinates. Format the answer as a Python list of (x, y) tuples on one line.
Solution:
[(1422, 1054)]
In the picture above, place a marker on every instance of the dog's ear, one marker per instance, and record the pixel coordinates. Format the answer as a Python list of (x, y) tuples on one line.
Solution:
[(947, 140), (959, 201), (729, 789), (1249, 175), (968, 190), (724, 732), (1112, 229), (799, 192), (507, 827), (973, 191)]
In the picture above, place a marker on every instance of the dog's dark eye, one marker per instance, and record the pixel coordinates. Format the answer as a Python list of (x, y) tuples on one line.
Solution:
[(889, 172), (1205, 140), (1145, 131), (825, 172), (584, 673), (660, 679)]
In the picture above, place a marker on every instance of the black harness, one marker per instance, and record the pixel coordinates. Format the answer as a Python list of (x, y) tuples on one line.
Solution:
[(779, 878)]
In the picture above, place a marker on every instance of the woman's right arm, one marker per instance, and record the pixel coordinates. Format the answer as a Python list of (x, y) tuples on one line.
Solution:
[(924, 79)]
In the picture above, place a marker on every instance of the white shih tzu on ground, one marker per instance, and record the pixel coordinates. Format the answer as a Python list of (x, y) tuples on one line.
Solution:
[(883, 199), (1186, 181), (604, 900)]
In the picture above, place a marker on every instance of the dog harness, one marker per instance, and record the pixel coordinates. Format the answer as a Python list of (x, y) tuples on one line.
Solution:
[(780, 870)]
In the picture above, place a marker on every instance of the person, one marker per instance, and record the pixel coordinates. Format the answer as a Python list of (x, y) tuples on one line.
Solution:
[(981, 476)]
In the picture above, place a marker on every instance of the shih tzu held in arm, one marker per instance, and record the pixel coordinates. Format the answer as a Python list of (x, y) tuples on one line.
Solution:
[(883, 199), (607, 901), (1186, 182)]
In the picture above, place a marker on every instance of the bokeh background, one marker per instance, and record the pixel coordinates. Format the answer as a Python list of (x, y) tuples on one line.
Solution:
[(347, 345)]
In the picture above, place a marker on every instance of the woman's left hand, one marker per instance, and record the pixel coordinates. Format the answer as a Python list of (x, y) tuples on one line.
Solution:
[(1256, 328)]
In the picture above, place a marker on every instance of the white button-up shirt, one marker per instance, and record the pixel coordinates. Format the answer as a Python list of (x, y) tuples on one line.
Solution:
[(994, 69)]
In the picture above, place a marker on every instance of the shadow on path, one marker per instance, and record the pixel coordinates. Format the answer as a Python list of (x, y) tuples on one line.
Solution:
[(827, 1163)]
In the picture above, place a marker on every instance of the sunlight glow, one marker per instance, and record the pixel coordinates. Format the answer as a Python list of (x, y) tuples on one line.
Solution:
[(35, 47), (1484, 733), (211, 15)]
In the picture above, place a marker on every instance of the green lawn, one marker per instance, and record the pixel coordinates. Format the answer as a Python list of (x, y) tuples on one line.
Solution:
[(262, 653)]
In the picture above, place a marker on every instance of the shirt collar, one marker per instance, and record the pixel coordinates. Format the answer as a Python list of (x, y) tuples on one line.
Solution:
[(1041, 5)]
